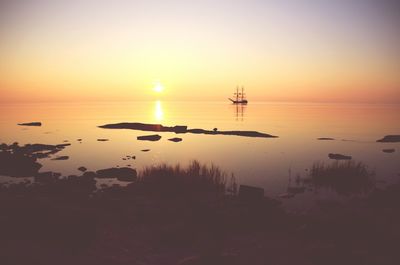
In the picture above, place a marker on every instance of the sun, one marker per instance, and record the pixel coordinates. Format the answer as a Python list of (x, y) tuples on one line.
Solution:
[(158, 87)]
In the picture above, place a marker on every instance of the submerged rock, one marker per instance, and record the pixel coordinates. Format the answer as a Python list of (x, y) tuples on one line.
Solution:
[(30, 124), (175, 139), (390, 139), (339, 157), (153, 137), (391, 150)]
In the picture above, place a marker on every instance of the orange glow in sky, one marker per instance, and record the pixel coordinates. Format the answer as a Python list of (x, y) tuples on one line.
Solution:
[(330, 51)]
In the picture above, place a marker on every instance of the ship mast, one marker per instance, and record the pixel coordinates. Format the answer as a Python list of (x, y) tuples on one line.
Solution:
[(237, 93)]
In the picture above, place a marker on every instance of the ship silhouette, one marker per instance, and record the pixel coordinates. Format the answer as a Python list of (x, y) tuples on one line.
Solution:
[(239, 97)]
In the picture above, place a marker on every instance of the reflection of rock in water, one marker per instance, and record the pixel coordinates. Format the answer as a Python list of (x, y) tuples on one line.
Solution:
[(344, 177)]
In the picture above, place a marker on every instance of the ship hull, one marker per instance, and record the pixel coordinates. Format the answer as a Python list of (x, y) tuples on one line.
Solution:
[(238, 101)]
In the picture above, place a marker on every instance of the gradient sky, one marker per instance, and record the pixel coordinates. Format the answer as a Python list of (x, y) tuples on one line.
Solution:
[(299, 50)]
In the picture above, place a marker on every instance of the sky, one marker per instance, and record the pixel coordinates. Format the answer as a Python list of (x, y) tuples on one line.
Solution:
[(298, 50)]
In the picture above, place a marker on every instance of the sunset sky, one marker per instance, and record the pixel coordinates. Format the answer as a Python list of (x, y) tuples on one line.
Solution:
[(299, 50)]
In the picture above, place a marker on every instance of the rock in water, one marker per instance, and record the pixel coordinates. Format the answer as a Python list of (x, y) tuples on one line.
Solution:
[(83, 169), (339, 157), (182, 129), (30, 124), (61, 158), (390, 139), (18, 165), (153, 137), (175, 139), (391, 150)]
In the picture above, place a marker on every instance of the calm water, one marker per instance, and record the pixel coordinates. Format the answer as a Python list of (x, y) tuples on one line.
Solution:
[(254, 161)]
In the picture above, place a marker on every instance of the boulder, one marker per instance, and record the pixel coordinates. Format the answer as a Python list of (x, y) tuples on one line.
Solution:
[(153, 137)]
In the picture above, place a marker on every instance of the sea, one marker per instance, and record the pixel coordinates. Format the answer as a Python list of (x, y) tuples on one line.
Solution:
[(275, 164)]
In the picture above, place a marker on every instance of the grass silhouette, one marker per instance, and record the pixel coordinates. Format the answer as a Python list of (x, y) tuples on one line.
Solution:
[(194, 179), (345, 177)]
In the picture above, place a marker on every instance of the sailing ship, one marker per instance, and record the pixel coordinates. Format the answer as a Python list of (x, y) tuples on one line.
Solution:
[(239, 97)]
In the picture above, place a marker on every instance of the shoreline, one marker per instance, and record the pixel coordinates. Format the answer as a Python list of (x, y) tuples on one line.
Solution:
[(173, 215)]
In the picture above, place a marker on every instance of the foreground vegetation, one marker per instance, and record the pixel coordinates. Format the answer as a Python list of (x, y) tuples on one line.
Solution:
[(344, 177), (188, 215)]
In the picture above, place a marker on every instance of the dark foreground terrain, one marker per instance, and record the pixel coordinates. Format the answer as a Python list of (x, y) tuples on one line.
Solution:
[(173, 215)]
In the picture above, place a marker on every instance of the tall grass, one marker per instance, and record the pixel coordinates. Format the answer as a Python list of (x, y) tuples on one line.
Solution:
[(194, 178), (345, 177)]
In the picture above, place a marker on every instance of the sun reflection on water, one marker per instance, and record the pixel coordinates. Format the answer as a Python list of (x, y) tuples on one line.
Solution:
[(158, 111)]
